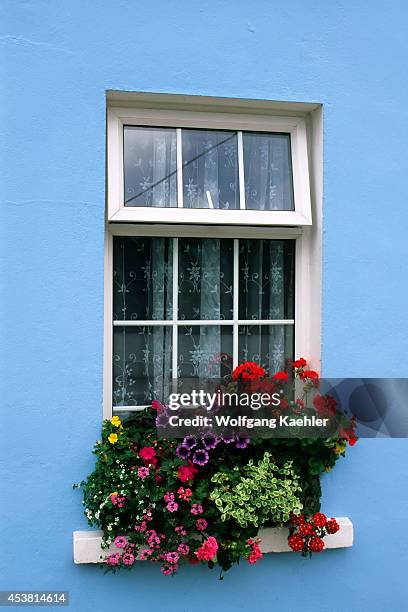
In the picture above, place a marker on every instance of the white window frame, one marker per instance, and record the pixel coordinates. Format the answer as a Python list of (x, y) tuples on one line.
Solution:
[(295, 126), (306, 129)]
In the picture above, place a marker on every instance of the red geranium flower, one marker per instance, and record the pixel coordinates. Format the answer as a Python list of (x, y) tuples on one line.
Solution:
[(348, 433), (319, 519), (147, 453), (311, 374), (297, 519), (300, 363), (186, 472), (332, 526), (248, 371), (305, 529), (316, 544), (325, 405), (296, 542), (281, 377), (352, 440)]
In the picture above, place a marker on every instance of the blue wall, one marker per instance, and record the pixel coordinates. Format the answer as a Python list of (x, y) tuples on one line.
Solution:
[(59, 58)]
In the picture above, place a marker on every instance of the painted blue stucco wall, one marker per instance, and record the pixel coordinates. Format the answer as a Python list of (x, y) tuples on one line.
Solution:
[(58, 59)]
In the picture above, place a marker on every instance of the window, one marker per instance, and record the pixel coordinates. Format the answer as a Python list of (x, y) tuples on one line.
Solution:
[(208, 249), (172, 167), (197, 307)]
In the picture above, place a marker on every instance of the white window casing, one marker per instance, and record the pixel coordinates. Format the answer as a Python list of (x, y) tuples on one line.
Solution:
[(295, 126), (306, 146)]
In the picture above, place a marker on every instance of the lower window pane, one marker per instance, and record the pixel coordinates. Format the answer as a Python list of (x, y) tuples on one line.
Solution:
[(141, 364), (203, 352), (271, 346)]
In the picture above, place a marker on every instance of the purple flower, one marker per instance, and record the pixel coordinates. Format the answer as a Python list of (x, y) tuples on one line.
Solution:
[(242, 441), (228, 438), (200, 456), (210, 441), (190, 442), (183, 452), (162, 419)]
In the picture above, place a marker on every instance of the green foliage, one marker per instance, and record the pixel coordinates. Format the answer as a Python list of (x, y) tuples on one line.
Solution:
[(259, 493), (257, 485)]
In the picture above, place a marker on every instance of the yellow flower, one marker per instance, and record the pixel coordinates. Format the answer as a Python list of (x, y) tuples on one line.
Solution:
[(340, 448), (113, 494), (113, 438), (116, 422)]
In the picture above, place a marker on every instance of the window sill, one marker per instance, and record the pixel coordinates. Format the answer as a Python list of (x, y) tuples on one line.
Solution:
[(87, 544)]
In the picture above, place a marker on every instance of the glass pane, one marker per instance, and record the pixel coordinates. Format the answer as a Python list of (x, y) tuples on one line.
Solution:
[(266, 279), (142, 278), (271, 346), (141, 364), (150, 164), (268, 171), (205, 279), (204, 352), (210, 169)]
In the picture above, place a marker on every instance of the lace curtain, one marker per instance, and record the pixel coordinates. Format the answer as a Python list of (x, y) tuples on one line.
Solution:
[(266, 282), (210, 169), (150, 166), (143, 291)]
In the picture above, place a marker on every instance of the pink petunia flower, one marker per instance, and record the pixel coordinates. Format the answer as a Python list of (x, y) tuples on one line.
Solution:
[(128, 559), (113, 559), (167, 570), (143, 472), (180, 530), (201, 524), (145, 553), (172, 557), (120, 542)]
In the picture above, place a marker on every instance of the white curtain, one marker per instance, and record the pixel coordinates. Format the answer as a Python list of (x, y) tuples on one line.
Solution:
[(143, 290)]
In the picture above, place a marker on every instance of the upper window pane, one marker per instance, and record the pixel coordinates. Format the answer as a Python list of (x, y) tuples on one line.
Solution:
[(205, 281), (150, 165), (266, 279), (268, 171), (210, 169), (142, 278)]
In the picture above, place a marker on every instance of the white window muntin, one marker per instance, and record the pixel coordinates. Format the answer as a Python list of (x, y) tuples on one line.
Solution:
[(295, 126)]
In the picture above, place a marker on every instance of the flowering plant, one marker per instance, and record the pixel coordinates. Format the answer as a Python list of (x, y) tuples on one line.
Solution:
[(306, 536), (204, 499)]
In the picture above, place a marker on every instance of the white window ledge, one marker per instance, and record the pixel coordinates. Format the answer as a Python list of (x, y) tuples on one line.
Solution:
[(87, 544)]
